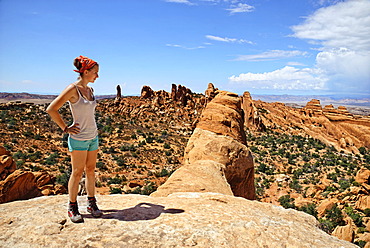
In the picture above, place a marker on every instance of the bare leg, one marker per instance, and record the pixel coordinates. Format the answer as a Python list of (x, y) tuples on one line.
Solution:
[(78, 166), (90, 172)]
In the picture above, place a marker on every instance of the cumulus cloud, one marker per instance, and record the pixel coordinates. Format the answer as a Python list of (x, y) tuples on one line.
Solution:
[(343, 58), (230, 40), (346, 68), (287, 78), (343, 31), (271, 55)]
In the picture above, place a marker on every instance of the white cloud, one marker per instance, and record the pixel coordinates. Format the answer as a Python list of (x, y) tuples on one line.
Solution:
[(232, 40), (180, 1), (346, 24), (271, 55), (293, 63), (287, 78), (184, 47), (343, 31), (240, 8), (342, 62), (347, 69)]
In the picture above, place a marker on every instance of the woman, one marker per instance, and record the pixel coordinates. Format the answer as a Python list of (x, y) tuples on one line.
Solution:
[(83, 134)]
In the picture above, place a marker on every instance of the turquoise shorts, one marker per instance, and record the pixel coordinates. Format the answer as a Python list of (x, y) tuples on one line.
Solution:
[(83, 145)]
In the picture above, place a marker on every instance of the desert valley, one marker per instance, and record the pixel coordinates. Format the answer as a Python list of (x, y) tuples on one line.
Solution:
[(314, 158)]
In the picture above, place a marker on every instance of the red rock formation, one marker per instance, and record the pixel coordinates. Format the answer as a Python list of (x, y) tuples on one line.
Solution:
[(344, 233), (313, 108), (19, 186), (363, 176), (363, 202), (224, 116), (252, 120), (332, 127), (216, 157), (146, 92), (210, 92), (119, 95), (7, 164)]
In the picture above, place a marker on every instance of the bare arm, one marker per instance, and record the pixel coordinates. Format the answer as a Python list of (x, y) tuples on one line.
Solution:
[(53, 109)]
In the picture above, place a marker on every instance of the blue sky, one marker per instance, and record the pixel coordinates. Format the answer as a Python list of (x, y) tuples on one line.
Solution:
[(260, 46)]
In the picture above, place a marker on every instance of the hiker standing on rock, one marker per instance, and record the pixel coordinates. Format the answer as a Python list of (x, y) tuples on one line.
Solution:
[(83, 134)]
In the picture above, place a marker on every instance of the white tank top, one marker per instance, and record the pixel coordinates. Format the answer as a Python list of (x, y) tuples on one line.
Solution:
[(83, 112)]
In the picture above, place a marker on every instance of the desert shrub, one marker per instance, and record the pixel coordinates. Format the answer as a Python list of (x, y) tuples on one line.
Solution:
[(52, 159), (362, 150), (166, 146), (344, 184), (115, 191), (356, 217), (367, 212), (20, 155), (287, 202), (101, 166), (149, 188), (335, 216), (162, 173), (295, 185), (19, 163), (63, 178), (116, 180), (326, 225), (149, 139), (361, 243), (309, 209)]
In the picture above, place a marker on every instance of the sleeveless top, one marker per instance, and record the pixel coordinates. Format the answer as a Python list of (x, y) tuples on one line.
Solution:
[(83, 112)]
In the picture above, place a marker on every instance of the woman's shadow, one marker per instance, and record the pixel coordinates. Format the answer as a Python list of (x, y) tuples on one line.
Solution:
[(142, 211)]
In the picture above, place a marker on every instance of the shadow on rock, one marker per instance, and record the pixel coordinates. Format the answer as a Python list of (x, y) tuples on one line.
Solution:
[(142, 211)]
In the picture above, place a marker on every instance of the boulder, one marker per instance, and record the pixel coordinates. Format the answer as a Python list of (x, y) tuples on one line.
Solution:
[(325, 205), (7, 166), (363, 176), (19, 186), (344, 232)]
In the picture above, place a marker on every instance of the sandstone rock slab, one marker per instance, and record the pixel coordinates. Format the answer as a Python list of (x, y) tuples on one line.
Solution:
[(179, 220)]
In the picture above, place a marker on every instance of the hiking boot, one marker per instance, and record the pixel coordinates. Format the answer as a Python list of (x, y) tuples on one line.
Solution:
[(92, 208), (74, 214)]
